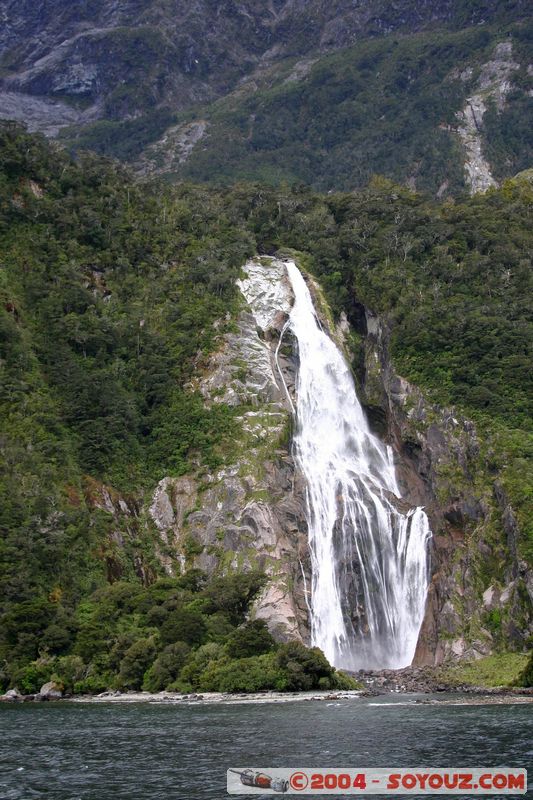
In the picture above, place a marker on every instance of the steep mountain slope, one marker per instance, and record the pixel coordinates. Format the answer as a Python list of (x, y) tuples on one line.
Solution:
[(141, 443), (125, 56), (120, 73), (400, 107)]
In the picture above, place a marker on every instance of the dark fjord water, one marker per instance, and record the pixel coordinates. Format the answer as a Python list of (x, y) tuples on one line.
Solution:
[(145, 752)]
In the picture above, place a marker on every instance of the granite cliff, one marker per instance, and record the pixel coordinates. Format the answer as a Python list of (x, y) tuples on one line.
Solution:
[(252, 513), (481, 590), (147, 383)]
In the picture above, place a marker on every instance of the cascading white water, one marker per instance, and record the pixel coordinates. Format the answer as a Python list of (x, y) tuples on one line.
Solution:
[(369, 560)]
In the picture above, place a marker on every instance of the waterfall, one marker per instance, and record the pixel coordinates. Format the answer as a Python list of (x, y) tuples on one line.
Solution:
[(369, 559)]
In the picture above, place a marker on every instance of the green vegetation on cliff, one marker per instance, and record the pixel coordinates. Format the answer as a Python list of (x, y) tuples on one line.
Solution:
[(526, 676), (184, 634), (505, 669), (385, 106), (108, 297), (113, 293)]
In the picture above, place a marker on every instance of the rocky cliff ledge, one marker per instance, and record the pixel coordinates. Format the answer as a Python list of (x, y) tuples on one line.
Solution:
[(251, 513), (481, 592)]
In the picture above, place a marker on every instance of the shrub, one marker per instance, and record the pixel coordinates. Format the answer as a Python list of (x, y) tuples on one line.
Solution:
[(193, 580), (343, 681), (526, 676), (30, 678), (92, 638), (254, 674), (234, 593), (303, 668), (166, 667), (251, 639), (94, 683), (68, 671), (135, 663), (189, 677), (219, 627), (56, 638), (184, 625)]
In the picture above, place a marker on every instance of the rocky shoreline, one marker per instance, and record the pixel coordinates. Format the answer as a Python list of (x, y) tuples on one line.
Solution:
[(427, 680), (48, 691), (472, 695), (412, 680), (14, 696)]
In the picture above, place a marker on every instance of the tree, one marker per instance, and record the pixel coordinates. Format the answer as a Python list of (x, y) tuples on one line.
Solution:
[(251, 639), (166, 667), (303, 668), (136, 661), (183, 625)]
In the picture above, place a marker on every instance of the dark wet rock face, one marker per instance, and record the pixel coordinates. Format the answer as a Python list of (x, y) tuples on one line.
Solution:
[(476, 571)]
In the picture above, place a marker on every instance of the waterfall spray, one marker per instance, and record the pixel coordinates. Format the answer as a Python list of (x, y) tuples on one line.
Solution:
[(369, 560)]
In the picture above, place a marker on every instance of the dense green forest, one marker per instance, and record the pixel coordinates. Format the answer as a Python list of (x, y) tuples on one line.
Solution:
[(109, 291), (385, 106)]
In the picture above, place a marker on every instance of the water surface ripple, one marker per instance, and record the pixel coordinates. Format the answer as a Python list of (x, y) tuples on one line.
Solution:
[(68, 751)]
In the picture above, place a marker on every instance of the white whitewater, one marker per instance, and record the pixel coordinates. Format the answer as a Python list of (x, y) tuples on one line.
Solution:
[(369, 560)]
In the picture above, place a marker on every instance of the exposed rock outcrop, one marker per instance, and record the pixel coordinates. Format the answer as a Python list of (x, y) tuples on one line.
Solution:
[(479, 584), (173, 149), (50, 691), (118, 60), (12, 696), (493, 85), (42, 114), (250, 513)]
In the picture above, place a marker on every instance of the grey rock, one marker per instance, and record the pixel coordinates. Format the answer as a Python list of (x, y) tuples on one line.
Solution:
[(248, 514), (50, 691), (494, 83), (87, 50), (48, 116), (172, 150), (12, 696)]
